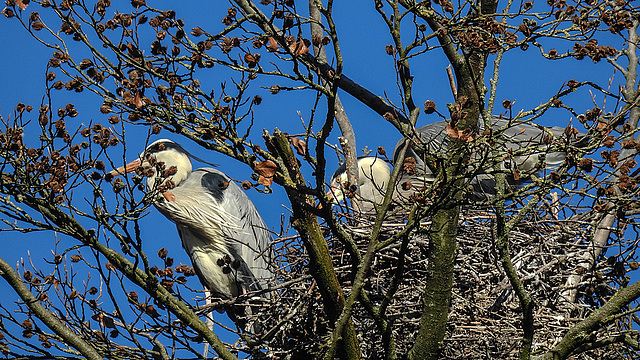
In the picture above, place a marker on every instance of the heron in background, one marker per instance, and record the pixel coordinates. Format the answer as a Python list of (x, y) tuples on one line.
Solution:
[(525, 151), (221, 230), (373, 177)]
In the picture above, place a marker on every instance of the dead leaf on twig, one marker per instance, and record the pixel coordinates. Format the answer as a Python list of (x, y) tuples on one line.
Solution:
[(300, 145), (409, 165), (299, 47), (272, 46), (452, 131), (138, 101), (465, 135), (22, 4), (266, 170)]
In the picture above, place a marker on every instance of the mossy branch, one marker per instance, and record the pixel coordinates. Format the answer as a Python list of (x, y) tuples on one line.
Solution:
[(582, 333), (69, 226), (46, 316), (320, 264)]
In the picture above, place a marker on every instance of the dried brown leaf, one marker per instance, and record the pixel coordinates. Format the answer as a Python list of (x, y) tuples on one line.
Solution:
[(452, 131), (299, 48), (272, 46), (466, 135), (429, 107), (409, 165), (138, 101), (22, 4), (104, 320), (300, 145), (266, 170)]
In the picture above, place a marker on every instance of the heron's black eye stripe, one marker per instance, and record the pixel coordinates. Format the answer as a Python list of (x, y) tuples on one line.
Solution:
[(215, 184), (161, 146)]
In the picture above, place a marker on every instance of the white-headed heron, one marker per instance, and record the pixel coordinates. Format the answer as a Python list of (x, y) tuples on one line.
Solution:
[(373, 177), (221, 230)]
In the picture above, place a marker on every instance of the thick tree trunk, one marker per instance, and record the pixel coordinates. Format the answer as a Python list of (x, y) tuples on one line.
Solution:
[(437, 295), (320, 264)]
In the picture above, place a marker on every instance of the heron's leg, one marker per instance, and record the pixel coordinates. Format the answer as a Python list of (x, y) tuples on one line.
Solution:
[(248, 312), (209, 321)]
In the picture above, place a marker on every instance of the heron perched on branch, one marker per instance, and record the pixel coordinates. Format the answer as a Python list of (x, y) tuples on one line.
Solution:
[(523, 149), (221, 230)]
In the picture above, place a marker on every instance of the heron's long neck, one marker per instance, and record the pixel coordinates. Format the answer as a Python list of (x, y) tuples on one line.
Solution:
[(183, 165), (373, 170)]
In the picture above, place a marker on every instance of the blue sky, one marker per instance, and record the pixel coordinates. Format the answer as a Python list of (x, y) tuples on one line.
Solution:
[(525, 77)]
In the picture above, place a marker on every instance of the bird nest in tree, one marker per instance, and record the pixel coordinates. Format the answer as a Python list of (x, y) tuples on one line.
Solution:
[(485, 321)]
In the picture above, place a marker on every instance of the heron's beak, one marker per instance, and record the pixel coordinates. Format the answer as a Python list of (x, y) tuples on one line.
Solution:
[(129, 168), (335, 193)]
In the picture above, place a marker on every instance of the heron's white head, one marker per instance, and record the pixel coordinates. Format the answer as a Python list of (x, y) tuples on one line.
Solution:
[(166, 160), (162, 162), (373, 178)]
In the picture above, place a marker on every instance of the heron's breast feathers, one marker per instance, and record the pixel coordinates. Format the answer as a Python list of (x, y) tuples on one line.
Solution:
[(211, 220)]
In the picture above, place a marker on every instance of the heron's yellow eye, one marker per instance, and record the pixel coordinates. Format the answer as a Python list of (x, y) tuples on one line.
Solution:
[(338, 180)]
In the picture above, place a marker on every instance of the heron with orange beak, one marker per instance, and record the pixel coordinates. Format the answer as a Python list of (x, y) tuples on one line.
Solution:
[(221, 229)]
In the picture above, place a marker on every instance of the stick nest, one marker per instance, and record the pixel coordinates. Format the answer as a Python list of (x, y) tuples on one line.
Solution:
[(485, 321)]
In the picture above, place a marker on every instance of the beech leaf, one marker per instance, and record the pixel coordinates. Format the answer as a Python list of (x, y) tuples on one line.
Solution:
[(452, 131), (266, 170)]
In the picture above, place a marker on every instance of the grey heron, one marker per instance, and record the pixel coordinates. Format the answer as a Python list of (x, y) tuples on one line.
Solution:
[(220, 228), (373, 177), (524, 148)]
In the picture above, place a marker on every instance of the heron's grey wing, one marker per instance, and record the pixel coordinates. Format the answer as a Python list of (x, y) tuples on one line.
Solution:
[(532, 142), (434, 137), (203, 227), (527, 142), (198, 209), (253, 241)]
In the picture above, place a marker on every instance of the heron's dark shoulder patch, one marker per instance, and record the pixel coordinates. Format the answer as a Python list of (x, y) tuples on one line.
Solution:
[(215, 183)]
